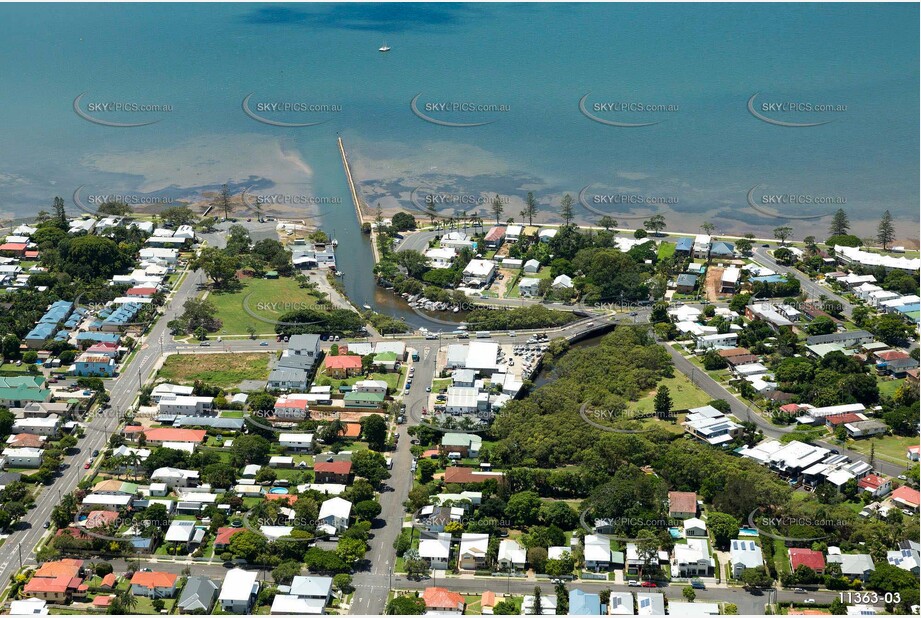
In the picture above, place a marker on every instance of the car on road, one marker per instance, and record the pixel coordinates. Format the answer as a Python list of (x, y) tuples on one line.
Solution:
[(264, 343), (400, 420), (902, 477), (512, 333), (649, 585), (633, 314), (428, 389), (46, 525), (633, 583), (698, 585), (204, 344), (86, 466), (799, 590), (765, 245), (809, 601), (96, 452)]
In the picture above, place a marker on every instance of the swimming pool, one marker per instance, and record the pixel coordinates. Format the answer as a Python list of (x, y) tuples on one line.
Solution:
[(675, 533), (278, 490), (748, 532)]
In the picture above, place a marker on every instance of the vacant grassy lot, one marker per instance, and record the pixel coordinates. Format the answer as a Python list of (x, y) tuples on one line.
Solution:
[(269, 299), (224, 370), (890, 448), (684, 395), (666, 250)]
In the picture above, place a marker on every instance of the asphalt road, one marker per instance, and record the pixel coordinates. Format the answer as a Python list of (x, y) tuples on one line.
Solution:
[(123, 390), (812, 289)]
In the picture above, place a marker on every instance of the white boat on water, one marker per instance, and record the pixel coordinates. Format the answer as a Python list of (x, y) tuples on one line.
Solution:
[(384, 48), (334, 243), (367, 307)]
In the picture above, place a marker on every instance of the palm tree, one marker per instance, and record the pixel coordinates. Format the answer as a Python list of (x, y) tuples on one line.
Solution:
[(127, 600), (134, 460)]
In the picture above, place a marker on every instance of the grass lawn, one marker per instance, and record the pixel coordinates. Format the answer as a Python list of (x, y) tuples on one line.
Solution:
[(890, 448), (666, 249), (441, 383), (684, 395), (266, 298), (11, 368), (224, 370), (392, 378), (145, 606), (889, 387)]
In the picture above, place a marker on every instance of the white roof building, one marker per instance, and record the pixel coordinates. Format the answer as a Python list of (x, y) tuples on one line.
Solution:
[(239, 586)]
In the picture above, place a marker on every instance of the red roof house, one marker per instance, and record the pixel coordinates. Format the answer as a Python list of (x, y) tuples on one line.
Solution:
[(342, 366), (808, 557), (222, 538), (907, 496), (443, 600), (332, 472), (158, 435), (875, 484), (15, 248), (682, 504)]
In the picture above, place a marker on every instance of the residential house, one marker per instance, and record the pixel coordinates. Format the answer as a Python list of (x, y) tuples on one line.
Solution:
[(473, 550), (531, 267), (710, 425), (287, 379), (23, 457), (853, 566), (693, 559), (465, 444), (494, 237), (529, 286), (729, 280), (906, 497), (296, 442), (333, 472), (512, 556), (29, 607), (597, 552), (378, 387), (223, 536), (198, 595), (19, 391), (334, 515), (621, 603), (289, 407), (547, 234), (701, 249), (583, 603), (435, 518), (306, 595), (479, 273), (47, 427), (650, 604), (56, 581), (95, 365), (443, 601), (744, 554), (695, 527), (876, 485), (907, 557), (342, 366), (562, 282), (175, 477), (154, 584), (238, 592), (435, 549), (547, 601), (686, 283), (185, 405), (807, 557), (159, 436)]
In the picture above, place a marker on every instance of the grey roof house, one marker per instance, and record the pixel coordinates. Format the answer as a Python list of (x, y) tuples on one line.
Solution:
[(198, 594)]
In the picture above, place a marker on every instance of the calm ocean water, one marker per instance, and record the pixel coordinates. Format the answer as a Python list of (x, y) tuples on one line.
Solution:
[(697, 66)]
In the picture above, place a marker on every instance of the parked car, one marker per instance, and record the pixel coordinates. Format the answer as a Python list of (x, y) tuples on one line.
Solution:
[(649, 585), (633, 583)]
